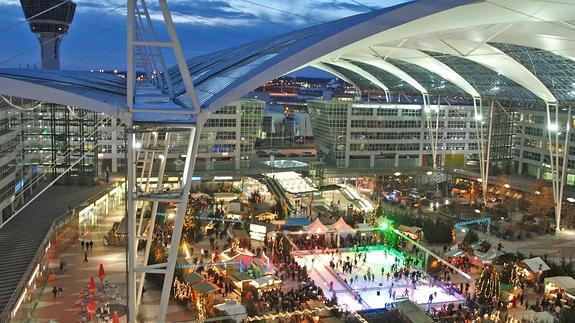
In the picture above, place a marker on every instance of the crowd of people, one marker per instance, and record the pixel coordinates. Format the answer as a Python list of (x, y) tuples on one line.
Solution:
[(278, 300)]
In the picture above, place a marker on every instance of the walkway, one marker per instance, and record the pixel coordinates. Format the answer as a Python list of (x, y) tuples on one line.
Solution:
[(77, 274), (21, 237)]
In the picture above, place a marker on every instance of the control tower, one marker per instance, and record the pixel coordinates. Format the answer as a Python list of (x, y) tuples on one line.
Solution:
[(50, 19)]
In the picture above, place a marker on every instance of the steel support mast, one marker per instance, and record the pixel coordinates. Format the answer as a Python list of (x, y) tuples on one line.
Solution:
[(148, 144)]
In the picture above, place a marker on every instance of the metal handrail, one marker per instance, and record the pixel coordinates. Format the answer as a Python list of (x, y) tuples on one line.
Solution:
[(5, 316)]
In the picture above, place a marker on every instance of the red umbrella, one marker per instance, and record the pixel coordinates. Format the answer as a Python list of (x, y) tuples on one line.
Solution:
[(115, 318), (92, 307), (92, 287), (101, 273)]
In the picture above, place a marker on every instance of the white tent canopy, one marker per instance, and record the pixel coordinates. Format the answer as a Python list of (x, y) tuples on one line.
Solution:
[(316, 227), (342, 227)]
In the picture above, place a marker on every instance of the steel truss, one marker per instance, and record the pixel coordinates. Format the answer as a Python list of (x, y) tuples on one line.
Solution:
[(483, 144), (432, 126), (148, 146), (557, 155)]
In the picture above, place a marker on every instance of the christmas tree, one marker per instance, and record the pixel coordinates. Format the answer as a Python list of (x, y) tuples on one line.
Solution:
[(487, 286)]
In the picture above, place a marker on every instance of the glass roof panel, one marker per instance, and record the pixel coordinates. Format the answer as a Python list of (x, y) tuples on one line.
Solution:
[(393, 83), (556, 72), (486, 81), (434, 83), (359, 80)]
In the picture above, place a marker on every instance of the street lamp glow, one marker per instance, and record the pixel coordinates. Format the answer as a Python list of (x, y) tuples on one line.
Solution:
[(429, 173), (506, 185), (480, 180), (446, 202), (571, 200), (537, 193), (478, 117), (477, 211), (552, 127), (161, 156), (137, 145), (397, 174)]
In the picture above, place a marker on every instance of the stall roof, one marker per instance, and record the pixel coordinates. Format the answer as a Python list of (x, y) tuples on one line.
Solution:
[(406, 228), (265, 281), (535, 264), (193, 277), (204, 287), (239, 276), (231, 307), (297, 222), (413, 312)]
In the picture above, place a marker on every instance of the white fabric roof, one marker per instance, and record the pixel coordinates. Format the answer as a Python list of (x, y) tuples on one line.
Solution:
[(316, 227)]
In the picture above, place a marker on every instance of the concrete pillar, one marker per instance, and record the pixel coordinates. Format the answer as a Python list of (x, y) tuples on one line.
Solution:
[(371, 161), (396, 163)]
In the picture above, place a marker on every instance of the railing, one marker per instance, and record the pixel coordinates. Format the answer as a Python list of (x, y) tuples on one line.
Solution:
[(35, 267)]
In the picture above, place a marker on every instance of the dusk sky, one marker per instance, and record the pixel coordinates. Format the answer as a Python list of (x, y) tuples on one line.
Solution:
[(97, 35)]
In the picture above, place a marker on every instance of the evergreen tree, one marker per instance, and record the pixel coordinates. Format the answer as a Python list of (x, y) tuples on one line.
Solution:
[(487, 287)]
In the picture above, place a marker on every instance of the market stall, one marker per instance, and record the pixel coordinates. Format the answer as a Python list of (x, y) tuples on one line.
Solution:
[(266, 282), (562, 286), (415, 233), (233, 309), (316, 227), (533, 268)]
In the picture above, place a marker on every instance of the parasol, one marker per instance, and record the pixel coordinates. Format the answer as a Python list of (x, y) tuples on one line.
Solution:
[(92, 307), (101, 273), (115, 318), (92, 286)]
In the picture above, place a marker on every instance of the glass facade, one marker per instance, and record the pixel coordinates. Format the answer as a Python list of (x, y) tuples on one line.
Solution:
[(356, 134), (37, 143)]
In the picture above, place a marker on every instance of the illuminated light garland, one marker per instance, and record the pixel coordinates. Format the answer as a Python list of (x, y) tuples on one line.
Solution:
[(301, 312), (209, 264), (488, 285)]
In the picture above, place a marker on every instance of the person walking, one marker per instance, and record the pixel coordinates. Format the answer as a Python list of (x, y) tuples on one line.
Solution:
[(86, 256), (55, 291), (82, 244)]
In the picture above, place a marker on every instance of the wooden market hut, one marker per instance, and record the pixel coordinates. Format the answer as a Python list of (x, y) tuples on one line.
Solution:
[(205, 289)]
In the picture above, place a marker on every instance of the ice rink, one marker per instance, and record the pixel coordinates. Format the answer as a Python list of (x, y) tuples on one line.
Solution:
[(319, 270)]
